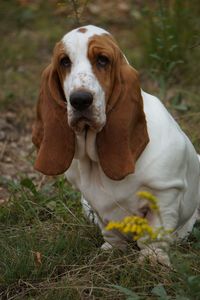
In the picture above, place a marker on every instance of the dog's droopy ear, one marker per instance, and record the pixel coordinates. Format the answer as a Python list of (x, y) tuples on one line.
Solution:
[(51, 133), (125, 135)]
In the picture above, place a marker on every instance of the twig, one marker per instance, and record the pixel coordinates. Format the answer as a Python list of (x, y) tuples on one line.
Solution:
[(41, 182), (75, 8), (3, 150), (78, 10), (195, 45)]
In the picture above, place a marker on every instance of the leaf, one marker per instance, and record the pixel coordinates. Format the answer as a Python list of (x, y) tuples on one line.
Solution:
[(194, 281), (173, 64), (51, 205), (131, 295), (28, 183), (177, 103), (181, 107), (196, 233), (38, 258), (156, 56), (173, 47), (181, 298), (176, 100), (160, 291)]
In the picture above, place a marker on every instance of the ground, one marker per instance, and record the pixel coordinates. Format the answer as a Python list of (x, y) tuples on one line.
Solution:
[(48, 249)]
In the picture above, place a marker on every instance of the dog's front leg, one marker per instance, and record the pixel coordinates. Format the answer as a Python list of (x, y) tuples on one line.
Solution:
[(164, 221)]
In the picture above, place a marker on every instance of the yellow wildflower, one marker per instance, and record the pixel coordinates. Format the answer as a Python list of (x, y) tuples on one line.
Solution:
[(135, 225), (151, 199), (139, 226)]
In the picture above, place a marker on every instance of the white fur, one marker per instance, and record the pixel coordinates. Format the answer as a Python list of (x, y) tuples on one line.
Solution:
[(81, 75), (168, 167)]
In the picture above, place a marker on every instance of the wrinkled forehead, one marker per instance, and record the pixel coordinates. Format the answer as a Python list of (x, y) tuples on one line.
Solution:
[(78, 39)]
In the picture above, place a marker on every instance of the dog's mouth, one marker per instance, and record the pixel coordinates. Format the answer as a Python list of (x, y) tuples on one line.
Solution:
[(82, 124)]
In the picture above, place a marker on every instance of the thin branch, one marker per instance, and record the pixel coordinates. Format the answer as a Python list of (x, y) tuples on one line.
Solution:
[(195, 45), (76, 12)]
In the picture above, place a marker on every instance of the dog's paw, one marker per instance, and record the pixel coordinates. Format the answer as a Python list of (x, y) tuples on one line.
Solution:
[(155, 256), (106, 246)]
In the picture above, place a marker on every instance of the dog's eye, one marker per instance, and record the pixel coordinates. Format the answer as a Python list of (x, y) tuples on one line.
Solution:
[(65, 62), (102, 61)]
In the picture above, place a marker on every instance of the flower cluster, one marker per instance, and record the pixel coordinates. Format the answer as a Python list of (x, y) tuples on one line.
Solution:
[(139, 227), (153, 201), (135, 225)]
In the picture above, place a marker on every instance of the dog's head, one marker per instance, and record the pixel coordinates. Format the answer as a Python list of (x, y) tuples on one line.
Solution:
[(89, 85)]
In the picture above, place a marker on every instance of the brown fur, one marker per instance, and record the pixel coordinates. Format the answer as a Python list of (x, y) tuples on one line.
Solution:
[(82, 30)]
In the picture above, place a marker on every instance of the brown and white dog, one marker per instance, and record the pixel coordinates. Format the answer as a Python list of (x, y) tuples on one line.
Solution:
[(113, 140)]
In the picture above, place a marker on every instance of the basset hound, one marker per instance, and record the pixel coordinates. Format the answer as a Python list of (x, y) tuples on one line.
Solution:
[(112, 139)]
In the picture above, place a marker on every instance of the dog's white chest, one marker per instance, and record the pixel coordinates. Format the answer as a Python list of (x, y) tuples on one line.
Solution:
[(112, 200)]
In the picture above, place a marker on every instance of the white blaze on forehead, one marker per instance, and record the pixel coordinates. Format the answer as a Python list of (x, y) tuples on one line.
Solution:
[(76, 46), (76, 41), (81, 75), (76, 36)]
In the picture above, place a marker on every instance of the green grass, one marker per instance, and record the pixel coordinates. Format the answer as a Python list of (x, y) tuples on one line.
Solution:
[(50, 222), (48, 250)]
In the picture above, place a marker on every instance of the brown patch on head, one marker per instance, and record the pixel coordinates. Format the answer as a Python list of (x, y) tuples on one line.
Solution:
[(125, 136), (82, 30), (105, 45), (60, 53)]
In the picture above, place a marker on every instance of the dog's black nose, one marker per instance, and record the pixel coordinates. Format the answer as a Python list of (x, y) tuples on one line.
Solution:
[(81, 100)]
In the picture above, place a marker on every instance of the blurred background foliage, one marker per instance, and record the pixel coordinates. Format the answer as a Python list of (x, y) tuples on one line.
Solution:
[(160, 38)]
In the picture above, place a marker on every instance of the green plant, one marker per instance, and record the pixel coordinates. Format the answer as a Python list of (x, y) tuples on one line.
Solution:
[(164, 51), (127, 292), (169, 38)]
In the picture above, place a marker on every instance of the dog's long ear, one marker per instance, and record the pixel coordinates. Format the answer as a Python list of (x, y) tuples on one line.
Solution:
[(124, 136), (51, 133)]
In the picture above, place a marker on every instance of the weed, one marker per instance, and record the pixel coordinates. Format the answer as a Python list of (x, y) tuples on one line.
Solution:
[(48, 249), (168, 42)]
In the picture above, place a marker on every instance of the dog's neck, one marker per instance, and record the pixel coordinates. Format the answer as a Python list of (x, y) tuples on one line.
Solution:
[(86, 145)]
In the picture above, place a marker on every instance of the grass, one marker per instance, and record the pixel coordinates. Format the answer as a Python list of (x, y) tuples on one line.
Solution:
[(48, 250)]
